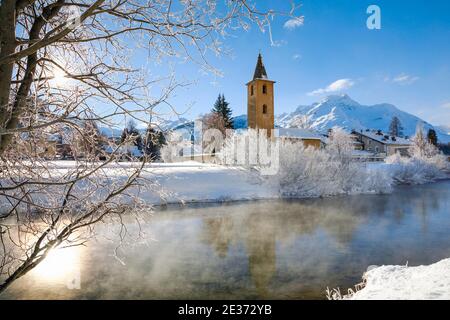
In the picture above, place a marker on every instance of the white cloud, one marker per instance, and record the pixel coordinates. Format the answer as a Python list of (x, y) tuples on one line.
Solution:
[(293, 23), (297, 56), (278, 43), (405, 79), (446, 105), (338, 85)]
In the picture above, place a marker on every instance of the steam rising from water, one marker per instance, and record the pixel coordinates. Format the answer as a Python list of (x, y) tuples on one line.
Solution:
[(278, 249)]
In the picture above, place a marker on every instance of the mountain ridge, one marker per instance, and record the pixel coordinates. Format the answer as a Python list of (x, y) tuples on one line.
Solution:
[(343, 111), (334, 110)]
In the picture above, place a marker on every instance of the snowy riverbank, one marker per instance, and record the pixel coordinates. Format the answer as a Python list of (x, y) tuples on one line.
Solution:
[(201, 182), (165, 183), (192, 181), (198, 182), (406, 283)]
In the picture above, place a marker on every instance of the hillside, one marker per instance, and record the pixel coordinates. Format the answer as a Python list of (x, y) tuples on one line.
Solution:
[(341, 110)]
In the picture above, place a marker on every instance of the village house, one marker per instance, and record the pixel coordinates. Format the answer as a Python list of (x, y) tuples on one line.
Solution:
[(49, 146), (308, 137), (61, 142), (382, 144)]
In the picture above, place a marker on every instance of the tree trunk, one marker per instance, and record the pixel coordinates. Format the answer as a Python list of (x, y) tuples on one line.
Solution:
[(20, 100), (8, 46)]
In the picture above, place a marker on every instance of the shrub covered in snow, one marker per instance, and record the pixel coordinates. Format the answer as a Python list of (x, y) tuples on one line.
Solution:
[(417, 170), (310, 172), (306, 172), (425, 164)]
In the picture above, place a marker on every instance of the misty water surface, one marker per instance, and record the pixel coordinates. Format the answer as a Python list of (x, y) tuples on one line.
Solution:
[(262, 249)]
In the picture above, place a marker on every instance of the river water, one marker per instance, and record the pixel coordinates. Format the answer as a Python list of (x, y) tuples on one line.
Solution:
[(251, 250)]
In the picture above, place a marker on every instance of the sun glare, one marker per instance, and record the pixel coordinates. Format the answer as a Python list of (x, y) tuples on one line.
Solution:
[(60, 265), (59, 78)]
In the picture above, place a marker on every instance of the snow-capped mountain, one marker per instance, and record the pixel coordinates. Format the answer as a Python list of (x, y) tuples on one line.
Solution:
[(342, 111), (110, 131), (160, 123), (336, 110), (165, 125), (445, 129)]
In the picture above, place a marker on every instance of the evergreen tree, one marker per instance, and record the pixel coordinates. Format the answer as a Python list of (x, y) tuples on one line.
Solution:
[(154, 140), (221, 107), (395, 128), (432, 137), (131, 132)]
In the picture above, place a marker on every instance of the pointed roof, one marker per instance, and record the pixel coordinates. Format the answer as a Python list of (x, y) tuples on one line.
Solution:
[(260, 70)]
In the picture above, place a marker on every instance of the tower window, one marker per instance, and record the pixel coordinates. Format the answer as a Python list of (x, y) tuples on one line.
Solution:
[(264, 89), (251, 90), (264, 109)]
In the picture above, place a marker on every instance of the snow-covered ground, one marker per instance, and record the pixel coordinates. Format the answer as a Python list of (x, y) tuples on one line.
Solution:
[(407, 283), (188, 181), (197, 182), (202, 182)]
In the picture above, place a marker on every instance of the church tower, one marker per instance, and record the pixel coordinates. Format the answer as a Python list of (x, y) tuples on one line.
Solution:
[(260, 101)]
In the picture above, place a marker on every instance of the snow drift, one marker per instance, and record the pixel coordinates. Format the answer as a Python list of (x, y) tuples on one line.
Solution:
[(406, 283)]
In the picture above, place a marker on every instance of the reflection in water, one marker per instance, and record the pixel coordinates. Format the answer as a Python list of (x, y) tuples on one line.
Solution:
[(218, 233), (266, 224), (264, 249), (261, 255)]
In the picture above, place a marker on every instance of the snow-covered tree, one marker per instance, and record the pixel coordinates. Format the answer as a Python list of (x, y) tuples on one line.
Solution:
[(305, 172), (340, 144), (311, 172), (425, 163), (417, 170), (421, 147), (214, 120), (59, 59)]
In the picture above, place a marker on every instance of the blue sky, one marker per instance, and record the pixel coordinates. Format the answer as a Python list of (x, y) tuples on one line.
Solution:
[(406, 63)]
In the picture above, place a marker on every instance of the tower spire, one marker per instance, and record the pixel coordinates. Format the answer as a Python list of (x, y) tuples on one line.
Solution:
[(260, 70)]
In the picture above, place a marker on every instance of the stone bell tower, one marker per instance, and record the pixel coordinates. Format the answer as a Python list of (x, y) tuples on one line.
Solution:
[(260, 100)]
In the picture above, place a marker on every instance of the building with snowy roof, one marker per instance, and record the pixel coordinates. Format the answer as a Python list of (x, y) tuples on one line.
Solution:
[(377, 142)]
